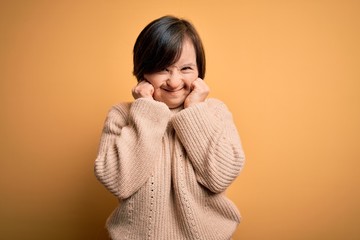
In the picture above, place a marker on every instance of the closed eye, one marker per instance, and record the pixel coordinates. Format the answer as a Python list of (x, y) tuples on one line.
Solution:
[(163, 71), (186, 68)]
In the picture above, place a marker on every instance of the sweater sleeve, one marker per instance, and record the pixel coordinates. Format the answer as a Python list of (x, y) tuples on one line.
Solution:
[(212, 143), (130, 145)]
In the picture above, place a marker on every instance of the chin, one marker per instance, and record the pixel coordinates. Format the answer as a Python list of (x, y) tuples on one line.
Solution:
[(174, 105)]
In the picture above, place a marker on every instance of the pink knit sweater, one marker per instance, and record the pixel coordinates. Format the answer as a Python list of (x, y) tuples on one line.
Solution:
[(169, 169)]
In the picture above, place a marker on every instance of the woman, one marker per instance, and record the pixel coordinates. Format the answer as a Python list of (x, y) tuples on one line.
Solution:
[(170, 154)]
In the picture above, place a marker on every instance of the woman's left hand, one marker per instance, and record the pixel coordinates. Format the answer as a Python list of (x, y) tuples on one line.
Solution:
[(199, 92)]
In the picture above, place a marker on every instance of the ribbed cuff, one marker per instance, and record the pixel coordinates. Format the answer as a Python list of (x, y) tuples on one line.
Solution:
[(195, 122), (151, 112)]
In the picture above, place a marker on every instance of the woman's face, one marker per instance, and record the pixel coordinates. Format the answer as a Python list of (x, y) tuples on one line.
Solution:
[(173, 84)]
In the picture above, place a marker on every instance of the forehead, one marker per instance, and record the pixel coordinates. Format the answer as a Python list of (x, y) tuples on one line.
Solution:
[(188, 54)]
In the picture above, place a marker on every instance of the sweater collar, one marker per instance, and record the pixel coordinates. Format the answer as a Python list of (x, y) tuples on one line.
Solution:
[(176, 110)]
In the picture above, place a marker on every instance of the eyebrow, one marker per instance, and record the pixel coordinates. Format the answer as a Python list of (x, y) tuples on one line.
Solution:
[(187, 65)]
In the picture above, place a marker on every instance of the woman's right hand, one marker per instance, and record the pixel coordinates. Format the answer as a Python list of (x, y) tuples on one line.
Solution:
[(143, 89)]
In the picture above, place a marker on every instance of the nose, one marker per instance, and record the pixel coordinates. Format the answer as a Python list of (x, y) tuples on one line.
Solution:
[(174, 79)]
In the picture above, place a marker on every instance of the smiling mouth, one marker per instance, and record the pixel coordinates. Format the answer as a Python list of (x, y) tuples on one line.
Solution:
[(173, 90)]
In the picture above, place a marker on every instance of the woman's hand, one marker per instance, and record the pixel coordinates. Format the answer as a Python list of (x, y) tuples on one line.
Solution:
[(199, 92), (143, 89)]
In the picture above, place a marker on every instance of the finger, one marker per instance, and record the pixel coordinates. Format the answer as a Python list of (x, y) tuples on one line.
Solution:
[(199, 84), (143, 89), (143, 83), (194, 84)]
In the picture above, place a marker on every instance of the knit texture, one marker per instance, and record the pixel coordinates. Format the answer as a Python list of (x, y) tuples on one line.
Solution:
[(169, 169)]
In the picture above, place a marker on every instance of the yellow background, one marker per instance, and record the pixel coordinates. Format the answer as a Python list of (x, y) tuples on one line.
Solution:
[(288, 70)]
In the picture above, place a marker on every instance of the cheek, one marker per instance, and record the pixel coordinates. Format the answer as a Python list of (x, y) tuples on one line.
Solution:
[(158, 95), (191, 78), (188, 82), (153, 80)]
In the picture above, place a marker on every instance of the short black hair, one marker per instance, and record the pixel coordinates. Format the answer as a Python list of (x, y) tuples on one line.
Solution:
[(159, 45)]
